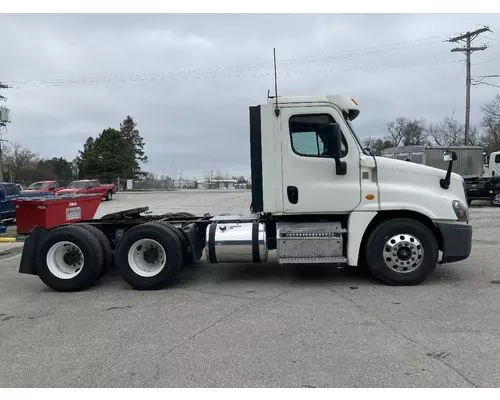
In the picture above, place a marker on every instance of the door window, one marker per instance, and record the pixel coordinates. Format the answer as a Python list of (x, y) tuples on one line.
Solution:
[(311, 136), (497, 159)]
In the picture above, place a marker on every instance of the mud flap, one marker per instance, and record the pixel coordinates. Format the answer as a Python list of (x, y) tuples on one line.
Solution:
[(28, 257)]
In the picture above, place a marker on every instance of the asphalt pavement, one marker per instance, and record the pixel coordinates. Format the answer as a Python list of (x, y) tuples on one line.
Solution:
[(256, 325)]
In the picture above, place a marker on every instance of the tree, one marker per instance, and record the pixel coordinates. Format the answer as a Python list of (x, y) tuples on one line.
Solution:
[(21, 164), (113, 154), (376, 144), (491, 123), (62, 168), (450, 132), (134, 145), (87, 159), (406, 132)]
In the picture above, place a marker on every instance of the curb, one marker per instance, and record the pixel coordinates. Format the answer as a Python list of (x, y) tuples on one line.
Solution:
[(12, 239)]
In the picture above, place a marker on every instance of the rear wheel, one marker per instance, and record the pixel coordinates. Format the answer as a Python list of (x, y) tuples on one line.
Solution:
[(106, 250), (69, 259), (149, 256), (187, 256), (402, 252)]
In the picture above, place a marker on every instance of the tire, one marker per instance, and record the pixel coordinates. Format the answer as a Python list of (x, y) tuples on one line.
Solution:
[(166, 259), (107, 252), (103, 241), (469, 202), (412, 241), (186, 251), (61, 274), (109, 195)]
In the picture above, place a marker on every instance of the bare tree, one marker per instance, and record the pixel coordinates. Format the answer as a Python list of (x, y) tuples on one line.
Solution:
[(21, 164), (406, 132), (450, 132), (491, 123), (376, 144)]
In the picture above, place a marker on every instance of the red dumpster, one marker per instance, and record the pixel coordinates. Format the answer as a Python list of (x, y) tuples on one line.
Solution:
[(50, 211)]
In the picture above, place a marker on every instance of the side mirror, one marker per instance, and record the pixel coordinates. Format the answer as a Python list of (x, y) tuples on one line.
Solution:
[(449, 156), (336, 151)]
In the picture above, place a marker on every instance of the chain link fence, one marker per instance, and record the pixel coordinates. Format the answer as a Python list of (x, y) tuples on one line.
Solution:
[(159, 183)]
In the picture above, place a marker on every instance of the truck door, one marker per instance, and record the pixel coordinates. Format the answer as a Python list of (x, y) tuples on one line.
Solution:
[(310, 181), (495, 164)]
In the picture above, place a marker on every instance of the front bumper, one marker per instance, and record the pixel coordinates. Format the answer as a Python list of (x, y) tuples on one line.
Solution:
[(457, 241)]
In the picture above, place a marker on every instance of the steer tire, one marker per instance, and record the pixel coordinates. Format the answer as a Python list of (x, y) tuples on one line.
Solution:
[(89, 270), (187, 256), (422, 247), (109, 195), (170, 245)]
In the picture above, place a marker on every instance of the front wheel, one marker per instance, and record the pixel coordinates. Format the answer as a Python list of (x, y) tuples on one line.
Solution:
[(109, 195), (402, 251)]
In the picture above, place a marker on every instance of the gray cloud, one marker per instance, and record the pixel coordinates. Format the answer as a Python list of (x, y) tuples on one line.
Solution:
[(201, 124)]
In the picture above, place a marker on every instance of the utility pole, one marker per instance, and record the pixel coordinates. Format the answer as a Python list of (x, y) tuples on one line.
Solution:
[(468, 50)]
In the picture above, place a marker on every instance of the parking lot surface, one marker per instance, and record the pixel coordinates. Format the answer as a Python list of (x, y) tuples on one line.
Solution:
[(256, 325)]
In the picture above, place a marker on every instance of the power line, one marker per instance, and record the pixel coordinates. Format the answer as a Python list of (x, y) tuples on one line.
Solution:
[(282, 73), (468, 50), (235, 68)]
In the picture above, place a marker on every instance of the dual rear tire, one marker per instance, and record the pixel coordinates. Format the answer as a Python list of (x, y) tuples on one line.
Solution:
[(149, 256), (71, 258)]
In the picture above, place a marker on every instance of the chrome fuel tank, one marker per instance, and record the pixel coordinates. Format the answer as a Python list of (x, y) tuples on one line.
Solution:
[(243, 242)]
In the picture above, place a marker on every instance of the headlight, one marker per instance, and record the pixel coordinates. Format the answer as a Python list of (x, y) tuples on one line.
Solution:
[(461, 211)]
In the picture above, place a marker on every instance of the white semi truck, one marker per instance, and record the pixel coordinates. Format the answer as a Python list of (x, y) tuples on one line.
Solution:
[(317, 197)]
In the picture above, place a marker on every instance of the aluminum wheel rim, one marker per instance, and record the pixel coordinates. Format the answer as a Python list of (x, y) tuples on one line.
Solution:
[(147, 258), (403, 253), (65, 260)]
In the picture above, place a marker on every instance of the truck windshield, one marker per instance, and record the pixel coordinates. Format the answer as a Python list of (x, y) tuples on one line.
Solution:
[(38, 185), (77, 185), (349, 124)]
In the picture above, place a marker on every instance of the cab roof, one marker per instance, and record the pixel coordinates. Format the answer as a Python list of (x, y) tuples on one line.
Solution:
[(345, 103)]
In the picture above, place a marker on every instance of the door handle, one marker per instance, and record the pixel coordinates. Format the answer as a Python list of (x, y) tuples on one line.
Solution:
[(293, 194)]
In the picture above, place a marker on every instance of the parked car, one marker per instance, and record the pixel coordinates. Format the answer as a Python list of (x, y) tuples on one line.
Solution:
[(43, 187), (8, 192), (90, 186)]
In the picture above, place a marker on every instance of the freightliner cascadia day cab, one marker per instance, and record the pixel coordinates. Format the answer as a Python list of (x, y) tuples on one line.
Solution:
[(317, 197)]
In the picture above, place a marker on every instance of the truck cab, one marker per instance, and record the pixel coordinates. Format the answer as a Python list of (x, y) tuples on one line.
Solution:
[(492, 164), (308, 165)]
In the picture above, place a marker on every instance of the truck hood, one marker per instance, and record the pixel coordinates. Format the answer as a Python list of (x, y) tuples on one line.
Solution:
[(63, 191), (410, 186), (411, 167)]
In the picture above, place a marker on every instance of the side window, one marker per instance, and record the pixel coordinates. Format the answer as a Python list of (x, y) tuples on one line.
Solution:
[(497, 159), (311, 137), (90, 185), (52, 186), (11, 190)]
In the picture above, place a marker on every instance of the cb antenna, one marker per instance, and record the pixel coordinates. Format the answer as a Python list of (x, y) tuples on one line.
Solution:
[(276, 110)]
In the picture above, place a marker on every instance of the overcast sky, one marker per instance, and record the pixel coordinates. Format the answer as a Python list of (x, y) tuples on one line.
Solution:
[(199, 120)]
